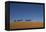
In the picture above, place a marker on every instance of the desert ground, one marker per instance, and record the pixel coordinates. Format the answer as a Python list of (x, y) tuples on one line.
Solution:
[(19, 25)]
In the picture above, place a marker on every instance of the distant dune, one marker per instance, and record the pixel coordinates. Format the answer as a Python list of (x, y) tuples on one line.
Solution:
[(17, 25)]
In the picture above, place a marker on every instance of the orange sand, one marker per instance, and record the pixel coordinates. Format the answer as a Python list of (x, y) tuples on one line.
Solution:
[(17, 25)]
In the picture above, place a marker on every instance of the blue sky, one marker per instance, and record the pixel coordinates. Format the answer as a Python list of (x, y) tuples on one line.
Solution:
[(26, 11)]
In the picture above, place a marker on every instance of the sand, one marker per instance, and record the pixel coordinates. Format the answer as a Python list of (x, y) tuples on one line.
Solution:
[(19, 25)]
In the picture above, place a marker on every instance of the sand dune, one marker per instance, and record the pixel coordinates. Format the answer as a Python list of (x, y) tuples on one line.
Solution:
[(17, 25)]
